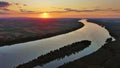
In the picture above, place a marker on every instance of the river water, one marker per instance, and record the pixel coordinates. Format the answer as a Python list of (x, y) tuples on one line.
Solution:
[(11, 56)]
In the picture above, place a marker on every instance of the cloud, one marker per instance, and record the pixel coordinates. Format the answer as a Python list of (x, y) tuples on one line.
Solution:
[(5, 9), (84, 10), (22, 10), (75, 10), (92, 10), (30, 11), (19, 4), (26, 11), (56, 11), (24, 4), (4, 4), (4, 13), (71, 10)]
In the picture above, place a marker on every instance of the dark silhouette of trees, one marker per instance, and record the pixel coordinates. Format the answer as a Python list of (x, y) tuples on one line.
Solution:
[(56, 54)]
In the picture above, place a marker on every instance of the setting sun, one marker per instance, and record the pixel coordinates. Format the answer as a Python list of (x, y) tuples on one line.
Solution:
[(44, 15)]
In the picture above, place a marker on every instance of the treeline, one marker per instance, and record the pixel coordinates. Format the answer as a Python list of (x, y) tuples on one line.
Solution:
[(56, 54)]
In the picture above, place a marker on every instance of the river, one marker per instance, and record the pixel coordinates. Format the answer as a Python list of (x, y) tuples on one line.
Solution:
[(11, 56)]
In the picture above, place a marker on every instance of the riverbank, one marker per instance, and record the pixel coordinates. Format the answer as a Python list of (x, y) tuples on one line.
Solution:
[(106, 57), (20, 30)]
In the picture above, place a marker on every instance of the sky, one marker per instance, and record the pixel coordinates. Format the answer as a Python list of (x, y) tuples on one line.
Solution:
[(61, 8)]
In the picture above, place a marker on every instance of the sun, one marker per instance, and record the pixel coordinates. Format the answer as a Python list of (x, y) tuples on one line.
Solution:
[(45, 15)]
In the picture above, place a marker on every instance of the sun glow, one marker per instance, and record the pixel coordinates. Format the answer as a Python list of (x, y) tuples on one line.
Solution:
[(44, 15)]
